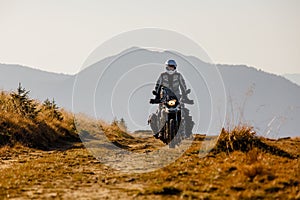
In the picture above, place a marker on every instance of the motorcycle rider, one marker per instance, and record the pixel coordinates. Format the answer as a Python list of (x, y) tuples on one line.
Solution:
[(173, 80)]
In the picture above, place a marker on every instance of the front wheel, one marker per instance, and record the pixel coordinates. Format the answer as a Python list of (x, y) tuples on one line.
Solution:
[(172, 133)]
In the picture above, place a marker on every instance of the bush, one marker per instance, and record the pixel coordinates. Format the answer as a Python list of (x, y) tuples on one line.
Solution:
[(51, 110), (243, 138), (30, 123), (240, 138)]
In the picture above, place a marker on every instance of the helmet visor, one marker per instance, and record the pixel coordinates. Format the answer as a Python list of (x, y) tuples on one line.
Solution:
[(170, 68)]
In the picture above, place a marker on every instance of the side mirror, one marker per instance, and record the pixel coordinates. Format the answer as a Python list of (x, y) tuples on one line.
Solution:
[(154, 93)]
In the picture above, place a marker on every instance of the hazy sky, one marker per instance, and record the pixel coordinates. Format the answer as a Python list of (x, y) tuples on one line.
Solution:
[(58, 35)]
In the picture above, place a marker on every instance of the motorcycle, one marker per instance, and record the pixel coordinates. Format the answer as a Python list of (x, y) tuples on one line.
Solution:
[(170, 120)]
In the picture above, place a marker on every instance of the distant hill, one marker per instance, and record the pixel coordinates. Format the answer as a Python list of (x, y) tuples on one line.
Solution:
[(293, 77), (268, 102), (41, 84)]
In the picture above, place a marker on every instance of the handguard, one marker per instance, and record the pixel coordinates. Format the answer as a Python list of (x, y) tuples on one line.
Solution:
[(187, 101), (185, 98), (155, 101)]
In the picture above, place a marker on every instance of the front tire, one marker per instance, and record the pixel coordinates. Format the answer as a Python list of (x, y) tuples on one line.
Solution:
[(172, 133)]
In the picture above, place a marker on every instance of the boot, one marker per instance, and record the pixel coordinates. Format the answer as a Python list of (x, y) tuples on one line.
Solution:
[(158, 135)]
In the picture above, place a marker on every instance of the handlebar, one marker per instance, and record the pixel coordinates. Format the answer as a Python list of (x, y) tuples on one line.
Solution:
[(188, 101), (158, 101), (184, 100), (155, 101)]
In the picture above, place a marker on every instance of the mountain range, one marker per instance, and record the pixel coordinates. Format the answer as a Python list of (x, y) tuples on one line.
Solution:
[(120, 86), (293, 77)]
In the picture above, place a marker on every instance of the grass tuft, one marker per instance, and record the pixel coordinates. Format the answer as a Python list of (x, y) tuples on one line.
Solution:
[(240, 138), (244, 139)]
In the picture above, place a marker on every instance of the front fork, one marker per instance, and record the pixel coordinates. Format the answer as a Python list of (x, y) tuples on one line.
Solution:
[(165, 119)]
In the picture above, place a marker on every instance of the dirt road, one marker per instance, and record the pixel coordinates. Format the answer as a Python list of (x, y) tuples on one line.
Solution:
[(72, 172)]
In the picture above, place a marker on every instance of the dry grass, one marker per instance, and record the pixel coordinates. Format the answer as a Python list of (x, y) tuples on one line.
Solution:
[(74, 173), (88, 127), (241, 138), (253, 156), (40, 132)]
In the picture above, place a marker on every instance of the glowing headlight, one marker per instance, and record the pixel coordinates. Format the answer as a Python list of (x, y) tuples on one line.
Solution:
[(172, 102)]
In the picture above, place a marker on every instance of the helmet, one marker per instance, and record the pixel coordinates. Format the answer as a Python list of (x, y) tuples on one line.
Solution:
[(171, 66), (171, 63)]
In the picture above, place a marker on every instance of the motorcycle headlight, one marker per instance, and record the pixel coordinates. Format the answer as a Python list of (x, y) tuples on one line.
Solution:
[(172, 102)]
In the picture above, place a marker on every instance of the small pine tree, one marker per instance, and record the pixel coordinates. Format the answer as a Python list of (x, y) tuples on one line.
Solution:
[(122, 124), (23, 104), (52, 109)]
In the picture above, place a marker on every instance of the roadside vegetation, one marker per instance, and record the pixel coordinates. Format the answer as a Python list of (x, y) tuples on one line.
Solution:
[(32, 123)]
